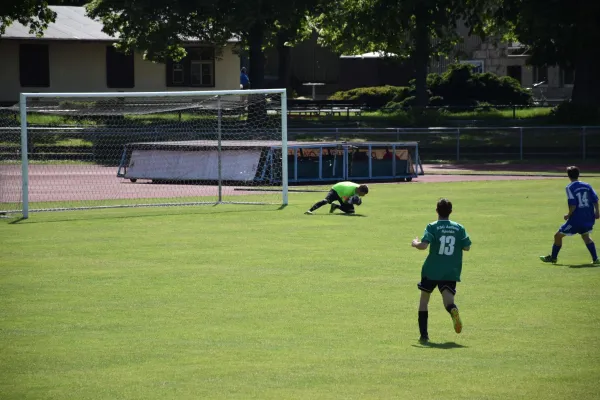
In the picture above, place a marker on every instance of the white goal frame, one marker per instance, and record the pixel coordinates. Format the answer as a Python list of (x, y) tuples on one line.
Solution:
[(103, 95)]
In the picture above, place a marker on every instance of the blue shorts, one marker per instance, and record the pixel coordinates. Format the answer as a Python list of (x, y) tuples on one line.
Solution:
[(569, 229)]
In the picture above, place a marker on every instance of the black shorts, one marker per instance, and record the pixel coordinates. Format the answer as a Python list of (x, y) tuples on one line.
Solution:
[(333, 196), (344, 207), (427, 285)]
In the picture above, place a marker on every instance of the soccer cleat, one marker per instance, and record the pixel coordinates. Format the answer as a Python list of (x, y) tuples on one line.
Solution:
[(333, 208), (308, 212), (596, 261), (548, 259), (456, 320), (424, 339)]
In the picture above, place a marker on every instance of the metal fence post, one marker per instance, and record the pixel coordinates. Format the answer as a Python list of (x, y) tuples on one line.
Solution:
[(583, 144), (457, 144), (521, 143)]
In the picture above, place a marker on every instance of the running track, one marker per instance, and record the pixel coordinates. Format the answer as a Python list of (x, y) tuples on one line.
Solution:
[(88, 182)]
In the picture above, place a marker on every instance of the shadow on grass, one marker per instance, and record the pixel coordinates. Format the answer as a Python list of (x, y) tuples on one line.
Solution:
[(350, 215), (79, 215), (588, 265), (446, 345), (17, 220)]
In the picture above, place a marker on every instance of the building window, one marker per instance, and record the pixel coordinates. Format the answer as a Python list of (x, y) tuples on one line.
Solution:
[(515, 71), (196, 69), (120, 71), (34, 65), (540, 74), (567, 76)]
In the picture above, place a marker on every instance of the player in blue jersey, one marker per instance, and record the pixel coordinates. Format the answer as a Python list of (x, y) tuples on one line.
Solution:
[(583, 213)]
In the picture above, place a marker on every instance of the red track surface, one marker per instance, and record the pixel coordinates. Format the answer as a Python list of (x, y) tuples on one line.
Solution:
[(88, 182)]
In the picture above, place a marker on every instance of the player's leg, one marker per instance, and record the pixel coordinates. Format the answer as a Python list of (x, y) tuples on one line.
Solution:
[(347, 208), (565, 230), (589, 243), (331, 197), (448, 290), (426, 287)]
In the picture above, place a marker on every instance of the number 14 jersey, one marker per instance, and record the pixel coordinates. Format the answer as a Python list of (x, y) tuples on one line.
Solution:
[(446, 242), (583, 197)]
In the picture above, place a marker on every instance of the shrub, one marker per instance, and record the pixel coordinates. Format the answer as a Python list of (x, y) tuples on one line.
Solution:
[(483, 106), (405, 104), (436, 101), (373, 97), (459, 86)]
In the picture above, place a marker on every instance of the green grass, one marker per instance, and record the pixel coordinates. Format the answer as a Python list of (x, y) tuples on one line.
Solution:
[(520, 113), (254, 302)]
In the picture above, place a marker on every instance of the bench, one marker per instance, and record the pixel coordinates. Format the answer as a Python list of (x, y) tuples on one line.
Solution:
[(328, 107)]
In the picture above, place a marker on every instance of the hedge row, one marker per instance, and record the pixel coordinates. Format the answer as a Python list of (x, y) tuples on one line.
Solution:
[(458, 86)]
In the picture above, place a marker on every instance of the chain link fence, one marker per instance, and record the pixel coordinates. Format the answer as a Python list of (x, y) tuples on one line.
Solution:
[(476, 143)]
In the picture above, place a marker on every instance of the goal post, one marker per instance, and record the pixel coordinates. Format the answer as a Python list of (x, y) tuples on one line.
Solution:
[(136, 149)]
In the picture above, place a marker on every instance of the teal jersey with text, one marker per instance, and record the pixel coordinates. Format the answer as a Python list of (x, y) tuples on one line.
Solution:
[(447, 239)]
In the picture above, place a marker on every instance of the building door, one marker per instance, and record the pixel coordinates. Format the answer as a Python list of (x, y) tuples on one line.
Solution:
[(515, 71)]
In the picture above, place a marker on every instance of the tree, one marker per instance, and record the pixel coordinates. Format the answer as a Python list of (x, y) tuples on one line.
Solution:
[(559, 32), (34, 14), (293, 26), (159, 28), (415, 29)]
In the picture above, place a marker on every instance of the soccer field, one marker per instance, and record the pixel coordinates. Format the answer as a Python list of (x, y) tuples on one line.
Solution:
[(223, 302)]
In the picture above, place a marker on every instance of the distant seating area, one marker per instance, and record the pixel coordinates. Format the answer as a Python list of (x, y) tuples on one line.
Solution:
[(326, 107)]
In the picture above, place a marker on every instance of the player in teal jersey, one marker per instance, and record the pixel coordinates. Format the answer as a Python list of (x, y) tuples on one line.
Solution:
[(446, 240), (348, 194)]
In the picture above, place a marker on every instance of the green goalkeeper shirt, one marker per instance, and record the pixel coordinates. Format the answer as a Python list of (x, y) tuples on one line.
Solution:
[(345, 190), (447, 239)]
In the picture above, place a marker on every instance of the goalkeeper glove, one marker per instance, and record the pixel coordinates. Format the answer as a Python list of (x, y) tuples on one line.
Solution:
[(355, 200)]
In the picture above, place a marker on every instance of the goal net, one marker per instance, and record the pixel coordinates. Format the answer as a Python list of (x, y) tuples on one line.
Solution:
[(97, 150)]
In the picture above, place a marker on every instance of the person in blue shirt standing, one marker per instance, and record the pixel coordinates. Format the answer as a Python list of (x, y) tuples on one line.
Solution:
[(583, 213), (244, 79)]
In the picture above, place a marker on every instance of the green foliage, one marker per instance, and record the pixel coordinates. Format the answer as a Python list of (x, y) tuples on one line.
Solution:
[(32, 13), (459, 86), (373, 97), (569, 113), (415, 29), (436, 101), (559, 32)]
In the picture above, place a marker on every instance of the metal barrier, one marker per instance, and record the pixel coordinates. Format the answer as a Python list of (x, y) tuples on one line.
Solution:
[(476, 143)]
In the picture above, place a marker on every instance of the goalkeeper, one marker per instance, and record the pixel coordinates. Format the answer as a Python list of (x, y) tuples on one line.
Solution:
[(347, 193)]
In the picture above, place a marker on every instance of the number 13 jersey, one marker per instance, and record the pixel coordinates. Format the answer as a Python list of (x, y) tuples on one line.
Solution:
[(446, 242)]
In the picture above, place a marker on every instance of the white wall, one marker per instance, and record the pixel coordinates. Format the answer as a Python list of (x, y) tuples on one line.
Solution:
[(81, 67)]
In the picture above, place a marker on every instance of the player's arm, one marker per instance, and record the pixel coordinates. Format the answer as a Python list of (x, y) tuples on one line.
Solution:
[(572, 202), (419, 245), (466, 240), (595, 202), (572, 209), (423, 243)]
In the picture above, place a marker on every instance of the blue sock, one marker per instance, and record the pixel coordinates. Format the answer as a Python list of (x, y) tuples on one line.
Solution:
[(592, 248), (555, 250)]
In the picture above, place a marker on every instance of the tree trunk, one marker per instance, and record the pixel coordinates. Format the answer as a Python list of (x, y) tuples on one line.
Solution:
[(421, 56), (257, 106), (285, 62), (257, 56), (586, 89)]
